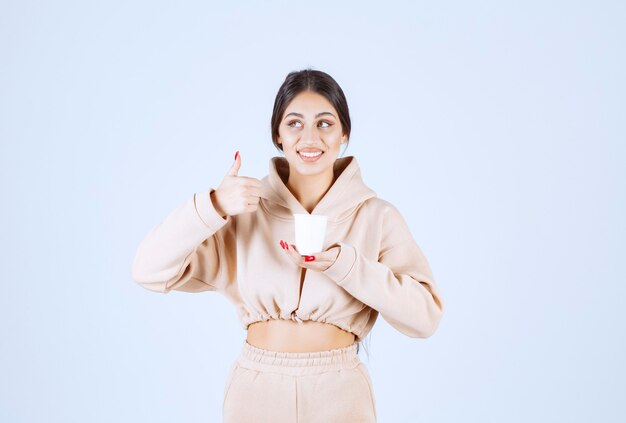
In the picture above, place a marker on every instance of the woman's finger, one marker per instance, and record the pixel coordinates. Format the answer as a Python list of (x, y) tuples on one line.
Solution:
[(318, 261)]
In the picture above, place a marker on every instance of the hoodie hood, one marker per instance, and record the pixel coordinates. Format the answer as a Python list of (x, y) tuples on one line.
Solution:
[(345, 195)]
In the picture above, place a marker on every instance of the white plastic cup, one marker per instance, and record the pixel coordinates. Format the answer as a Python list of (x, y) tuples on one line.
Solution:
[(310, 232)]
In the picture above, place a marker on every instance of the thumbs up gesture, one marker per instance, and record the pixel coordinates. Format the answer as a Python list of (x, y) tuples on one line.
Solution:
[(236, 194)]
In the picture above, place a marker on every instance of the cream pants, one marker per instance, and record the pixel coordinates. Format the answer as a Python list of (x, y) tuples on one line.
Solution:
[(285, 387)]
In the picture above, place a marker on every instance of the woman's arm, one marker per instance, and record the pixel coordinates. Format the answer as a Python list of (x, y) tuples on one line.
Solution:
[(192, 249), (400, 285)]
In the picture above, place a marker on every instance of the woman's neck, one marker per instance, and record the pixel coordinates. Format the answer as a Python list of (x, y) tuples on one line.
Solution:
[(309, 189)]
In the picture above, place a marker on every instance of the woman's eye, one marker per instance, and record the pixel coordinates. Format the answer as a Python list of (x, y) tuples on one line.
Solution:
[(292, 124)]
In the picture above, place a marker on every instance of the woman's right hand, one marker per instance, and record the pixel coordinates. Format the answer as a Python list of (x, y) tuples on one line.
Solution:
[(236, 194)]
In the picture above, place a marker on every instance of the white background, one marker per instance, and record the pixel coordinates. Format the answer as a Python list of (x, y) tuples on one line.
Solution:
[(496, 128)]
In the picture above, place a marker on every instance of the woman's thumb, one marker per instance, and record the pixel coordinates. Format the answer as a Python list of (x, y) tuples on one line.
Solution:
[(235, 167)]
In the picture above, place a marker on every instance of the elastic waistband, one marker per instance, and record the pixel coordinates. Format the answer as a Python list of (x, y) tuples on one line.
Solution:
[(298, 363)]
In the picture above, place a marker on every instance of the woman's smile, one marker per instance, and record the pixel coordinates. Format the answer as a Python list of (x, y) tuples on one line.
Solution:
[(310, 156)]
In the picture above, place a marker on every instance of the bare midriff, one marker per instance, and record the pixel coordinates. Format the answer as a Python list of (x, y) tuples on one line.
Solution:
[(292, 336)]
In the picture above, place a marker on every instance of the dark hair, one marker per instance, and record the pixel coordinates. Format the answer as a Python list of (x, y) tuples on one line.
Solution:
[(315, 81)]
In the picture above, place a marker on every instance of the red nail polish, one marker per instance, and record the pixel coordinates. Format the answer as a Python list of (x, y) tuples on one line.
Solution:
[(236, 154), (309, 258), (281, 244)]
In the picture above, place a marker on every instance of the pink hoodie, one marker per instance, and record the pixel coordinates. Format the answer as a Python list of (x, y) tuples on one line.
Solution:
[(380, 268)]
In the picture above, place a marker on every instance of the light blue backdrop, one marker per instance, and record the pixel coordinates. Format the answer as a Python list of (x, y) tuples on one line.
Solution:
[(497, 128)]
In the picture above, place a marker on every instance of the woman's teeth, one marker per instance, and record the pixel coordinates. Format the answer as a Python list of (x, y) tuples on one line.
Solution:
[(309, 156)]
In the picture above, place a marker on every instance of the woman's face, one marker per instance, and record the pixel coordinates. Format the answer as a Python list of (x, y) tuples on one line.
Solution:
[(310, 123)]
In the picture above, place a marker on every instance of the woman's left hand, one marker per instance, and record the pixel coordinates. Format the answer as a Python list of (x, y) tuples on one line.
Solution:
[(319, 261)]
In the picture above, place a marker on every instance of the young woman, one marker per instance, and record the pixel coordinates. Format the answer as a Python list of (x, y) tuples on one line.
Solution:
[(304, 315)]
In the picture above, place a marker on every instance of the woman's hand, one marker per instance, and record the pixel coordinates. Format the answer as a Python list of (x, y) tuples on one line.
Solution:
[(320, 261), (236, 194)]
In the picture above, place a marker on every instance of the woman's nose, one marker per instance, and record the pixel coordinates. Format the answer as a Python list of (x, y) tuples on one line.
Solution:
[(310, 134)]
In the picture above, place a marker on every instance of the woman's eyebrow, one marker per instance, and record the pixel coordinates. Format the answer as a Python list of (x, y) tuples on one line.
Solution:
[(316, 116)]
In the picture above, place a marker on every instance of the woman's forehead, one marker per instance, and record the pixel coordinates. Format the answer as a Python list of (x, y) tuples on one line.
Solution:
[(310, 104)]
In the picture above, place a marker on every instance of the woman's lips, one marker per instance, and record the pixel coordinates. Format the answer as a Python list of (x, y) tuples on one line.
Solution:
[(310, 159)]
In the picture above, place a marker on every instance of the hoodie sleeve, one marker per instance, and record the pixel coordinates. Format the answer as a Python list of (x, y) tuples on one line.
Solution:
[(399, 285), (191, 250)]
